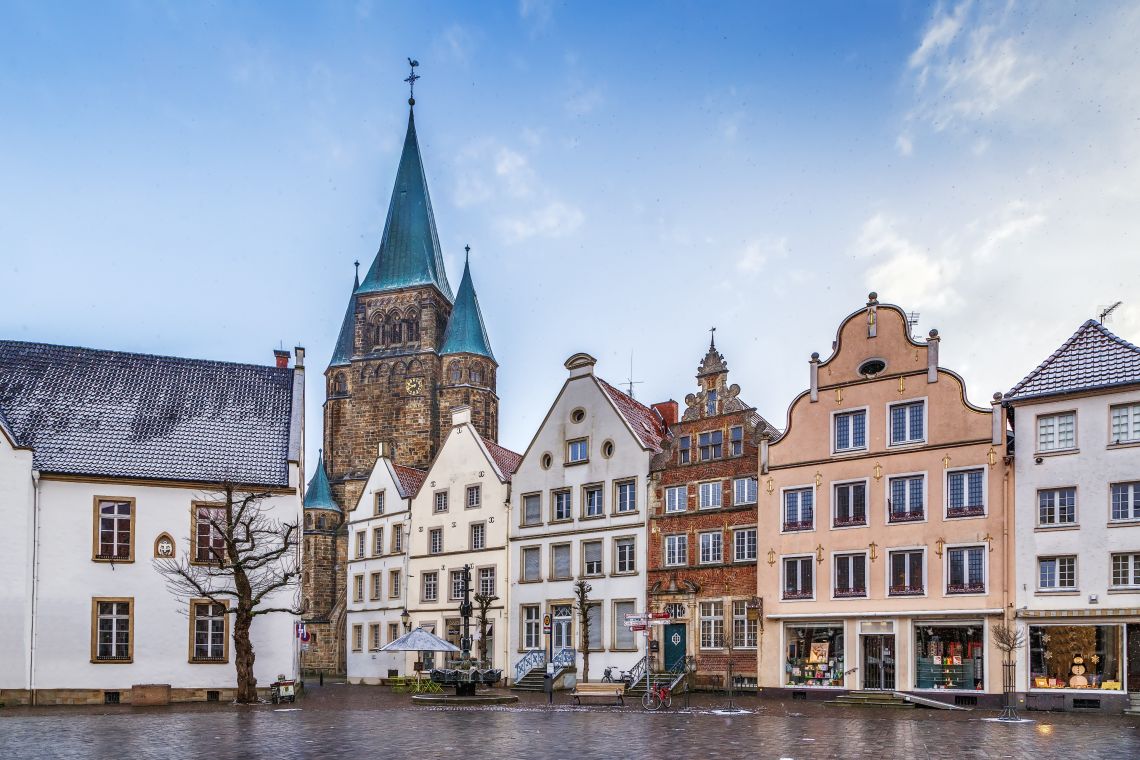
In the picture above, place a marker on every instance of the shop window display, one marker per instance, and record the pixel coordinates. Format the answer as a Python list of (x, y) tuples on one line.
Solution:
[(814, 655), (1075, 657), (949, 656)]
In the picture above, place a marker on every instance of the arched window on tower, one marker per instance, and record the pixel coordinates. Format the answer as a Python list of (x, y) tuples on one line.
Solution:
[(395, 329), (412, 326), (476, 374), (375, 332), (321, 522), (308, 520), (340, 384), (456, 372)]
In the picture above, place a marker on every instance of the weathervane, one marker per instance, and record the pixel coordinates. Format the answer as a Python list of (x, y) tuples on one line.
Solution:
[(411, 80), (712, 337), (467, 251)]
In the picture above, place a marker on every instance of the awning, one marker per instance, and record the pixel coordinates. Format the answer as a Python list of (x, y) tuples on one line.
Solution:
[(1095, 612)]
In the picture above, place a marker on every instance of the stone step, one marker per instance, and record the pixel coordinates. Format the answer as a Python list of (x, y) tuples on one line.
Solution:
[(871, 699)]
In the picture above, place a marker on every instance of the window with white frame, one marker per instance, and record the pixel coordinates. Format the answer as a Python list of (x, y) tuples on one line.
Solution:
[(1056, 573), (474, 496), (1126, 501), (684, 450), (357, 638), (626, 496), (712, 625), (430, 586), (1057, 506), (478, 536), (799, 509), (378, 504), (712, 548), (736, 441), (966, 570), (377, 541), (744, 631), (710, 495), (907, 422), (375, 585), (532, 509), (1126, 570), (441, 501), (677, 550), (624, 636), (577, 450), (358, 588), (456, 584), (532, 627), (906, 569), (964, 492), (676, 498), (560, 561), (851, 430), (850, 504), (209, 622), (744, 491), (210, 542), (561, 501), (394, 585), (487, 581), (744, 545), (592, 557), (398, 538), (361, 537), (625, 555), (1126, 423), (907, 496), (113, 634), (711, 445), (593, 503), (798, 582), (1057, 432), (115, 521), (850, 576), (373, 636), (532, 563), (435, 541)]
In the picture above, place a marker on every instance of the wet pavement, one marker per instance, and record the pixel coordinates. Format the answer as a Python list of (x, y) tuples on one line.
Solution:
[(368, 722)]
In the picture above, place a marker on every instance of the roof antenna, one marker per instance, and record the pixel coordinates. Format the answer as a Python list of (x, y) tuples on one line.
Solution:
[(1107, 312), (630, 381), (912, 321), (411, 80)]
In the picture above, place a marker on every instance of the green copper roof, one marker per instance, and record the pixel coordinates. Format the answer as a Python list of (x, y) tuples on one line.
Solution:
[(342, 352), (318, 494), (409, 252), (465, 331)]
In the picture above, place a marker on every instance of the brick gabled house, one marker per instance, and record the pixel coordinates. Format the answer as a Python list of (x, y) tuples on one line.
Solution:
[(702, 540)]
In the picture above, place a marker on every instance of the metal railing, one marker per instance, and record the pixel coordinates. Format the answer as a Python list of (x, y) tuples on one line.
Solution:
[(637, 672), (529, 661), (681, 670), (564, 658)]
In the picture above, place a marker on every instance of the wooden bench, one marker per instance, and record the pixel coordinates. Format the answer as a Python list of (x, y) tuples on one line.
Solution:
[(612, 691)]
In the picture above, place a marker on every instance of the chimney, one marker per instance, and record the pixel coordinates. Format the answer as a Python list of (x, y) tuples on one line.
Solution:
[(580, 364), (932, 356), (460, 415), (765, 439), (668, 411), (998, 412), (299, 352), (813, 375), (382, 450), (282, 357)]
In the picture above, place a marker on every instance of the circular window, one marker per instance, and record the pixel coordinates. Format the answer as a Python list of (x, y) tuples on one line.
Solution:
[(608, 449), (872, 367), (578, 415), (547, 460)]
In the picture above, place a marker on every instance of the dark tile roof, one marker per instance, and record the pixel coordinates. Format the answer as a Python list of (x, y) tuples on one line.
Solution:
[(110, 413), (1092, 358), (645, 422), (507, 460), (410, 479)]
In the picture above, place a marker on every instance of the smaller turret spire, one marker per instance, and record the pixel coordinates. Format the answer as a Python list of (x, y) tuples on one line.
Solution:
[(466, 333), (318, 494)]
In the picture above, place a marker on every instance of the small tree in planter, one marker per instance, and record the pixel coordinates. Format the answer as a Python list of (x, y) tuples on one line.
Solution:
[(483, 604), (1008, 639), (582, 591)]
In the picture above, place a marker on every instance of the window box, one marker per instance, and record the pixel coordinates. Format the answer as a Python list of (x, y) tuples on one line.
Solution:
[(793, 594), (850, 593), (966, 588), (978, 511), (849, 522), (905, 517), (795, 525), (907, 590)]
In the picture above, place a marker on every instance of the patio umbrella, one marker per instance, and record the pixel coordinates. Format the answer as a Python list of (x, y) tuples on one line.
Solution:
[(419, 640)]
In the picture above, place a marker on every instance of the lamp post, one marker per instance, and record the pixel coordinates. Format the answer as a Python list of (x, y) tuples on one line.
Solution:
[(406, 619)]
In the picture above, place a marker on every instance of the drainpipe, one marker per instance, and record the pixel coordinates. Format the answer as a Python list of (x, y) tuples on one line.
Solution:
[(35, 585)]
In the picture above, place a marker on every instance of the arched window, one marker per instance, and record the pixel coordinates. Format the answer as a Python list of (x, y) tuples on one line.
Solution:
[(395, 329), (411, 326), (456, 372), (308, 520), (375, 333), (476, 374), (340, 383), (321, 522)]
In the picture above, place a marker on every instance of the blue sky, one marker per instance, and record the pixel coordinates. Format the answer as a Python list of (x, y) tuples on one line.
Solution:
[(197, 179)]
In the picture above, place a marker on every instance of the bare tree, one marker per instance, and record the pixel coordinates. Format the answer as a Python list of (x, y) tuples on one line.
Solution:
[(483, 604), (582, 591), (1008, 639), (241, 558)]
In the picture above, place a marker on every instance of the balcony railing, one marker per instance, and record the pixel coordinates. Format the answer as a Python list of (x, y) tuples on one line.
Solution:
[(850, 521), (965, 588), (907, 590), (900, 516), (790, 525), (791, 593), (976, 510), (849, 593)]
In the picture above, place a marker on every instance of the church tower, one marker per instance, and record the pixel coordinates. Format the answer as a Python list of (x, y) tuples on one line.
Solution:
[(408, 351)]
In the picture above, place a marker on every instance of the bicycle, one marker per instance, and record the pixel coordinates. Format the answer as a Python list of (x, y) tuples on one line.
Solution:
[(614, 674), (657, 697)]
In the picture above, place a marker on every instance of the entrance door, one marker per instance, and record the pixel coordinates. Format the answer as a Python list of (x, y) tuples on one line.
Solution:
[(1133, 636), (879, 662), (674, 643), (560, 628), (454, 634)]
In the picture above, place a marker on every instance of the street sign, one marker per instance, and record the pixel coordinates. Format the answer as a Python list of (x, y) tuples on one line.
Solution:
[(546, 623), (660, 615), (636, 628), (635, 619)]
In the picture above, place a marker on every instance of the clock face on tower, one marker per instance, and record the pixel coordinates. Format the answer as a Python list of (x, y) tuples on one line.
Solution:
[(414, 386)]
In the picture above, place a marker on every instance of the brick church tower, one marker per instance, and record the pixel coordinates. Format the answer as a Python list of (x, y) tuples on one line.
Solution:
[(408, 352)]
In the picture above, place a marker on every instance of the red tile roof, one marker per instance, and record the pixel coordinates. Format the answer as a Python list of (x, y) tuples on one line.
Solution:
[(645, 422), (507, 460), (410, 479)]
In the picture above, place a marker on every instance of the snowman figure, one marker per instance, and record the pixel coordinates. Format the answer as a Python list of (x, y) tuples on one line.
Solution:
[(1078, 681)]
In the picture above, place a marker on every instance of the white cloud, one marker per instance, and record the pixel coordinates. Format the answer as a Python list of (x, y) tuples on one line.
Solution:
[(904, 144), (554, 219), (537, 13), (456, 43), (901, 266), (939, 34), (757, 254)]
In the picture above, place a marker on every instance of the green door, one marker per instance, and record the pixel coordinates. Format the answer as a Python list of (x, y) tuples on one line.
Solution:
[(674, 643)]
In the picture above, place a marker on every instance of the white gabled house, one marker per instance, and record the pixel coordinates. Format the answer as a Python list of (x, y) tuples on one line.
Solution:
[(107, 460), (378, 533), (579, 511)]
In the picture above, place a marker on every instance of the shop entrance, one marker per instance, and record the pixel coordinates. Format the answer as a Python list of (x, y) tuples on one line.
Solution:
[(674, 643), (1133, 636), (879, 662)]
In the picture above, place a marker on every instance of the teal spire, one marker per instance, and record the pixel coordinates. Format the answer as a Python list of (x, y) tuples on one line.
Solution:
[(318, 494), (465, 331), (342, 352), (409, 252)]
